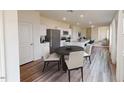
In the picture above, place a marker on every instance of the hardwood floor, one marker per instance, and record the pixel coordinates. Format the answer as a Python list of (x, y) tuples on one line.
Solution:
[(100, 70), (30, 71)]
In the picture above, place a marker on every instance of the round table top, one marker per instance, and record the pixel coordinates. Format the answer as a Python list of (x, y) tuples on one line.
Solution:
[(65, 50)]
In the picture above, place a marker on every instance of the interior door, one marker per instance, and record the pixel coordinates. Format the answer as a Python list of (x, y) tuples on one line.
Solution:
[(25, 43)]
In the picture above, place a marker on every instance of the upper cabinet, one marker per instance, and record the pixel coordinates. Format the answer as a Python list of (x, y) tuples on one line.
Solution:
[(43, 29), (66, 32)]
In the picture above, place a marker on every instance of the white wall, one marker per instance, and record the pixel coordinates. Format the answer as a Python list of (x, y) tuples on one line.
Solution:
[(120, 48), (99, 33), (2, 50), (83, 32), (117, 44), (11, 46), (75, 30), (94, 33), (113, 39), (74, 35), (103, 32)]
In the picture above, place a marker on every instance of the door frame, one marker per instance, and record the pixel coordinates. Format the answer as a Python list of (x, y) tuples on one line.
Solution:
[(2, 49)]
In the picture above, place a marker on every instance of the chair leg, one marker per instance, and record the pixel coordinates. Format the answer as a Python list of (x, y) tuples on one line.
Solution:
[(47, 63), (44, 66), (58, 66), (60, 61), (69, 75), (89, 59), (82, 73)]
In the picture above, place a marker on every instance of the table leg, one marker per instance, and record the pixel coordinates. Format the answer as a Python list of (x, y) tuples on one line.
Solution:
[(64, 66)]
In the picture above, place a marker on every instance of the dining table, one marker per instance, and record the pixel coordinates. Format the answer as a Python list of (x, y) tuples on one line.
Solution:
[(66, 50)]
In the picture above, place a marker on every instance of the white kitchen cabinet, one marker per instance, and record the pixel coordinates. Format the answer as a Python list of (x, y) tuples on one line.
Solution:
[(69, 32), (62, 42)]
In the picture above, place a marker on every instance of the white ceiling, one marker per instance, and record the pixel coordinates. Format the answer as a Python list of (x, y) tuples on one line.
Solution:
[(97, 17)]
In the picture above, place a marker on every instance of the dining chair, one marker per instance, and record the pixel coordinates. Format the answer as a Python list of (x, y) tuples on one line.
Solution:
[(75, 62), (87, 52), (50, 58)]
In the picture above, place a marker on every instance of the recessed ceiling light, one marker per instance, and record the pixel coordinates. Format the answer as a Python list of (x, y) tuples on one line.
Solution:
[(64, 18), (81, 15), (78, 23)]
